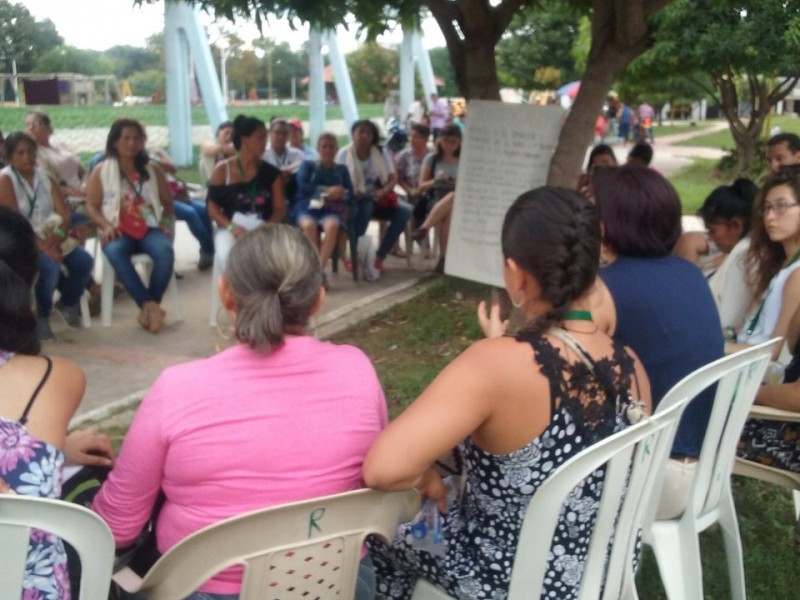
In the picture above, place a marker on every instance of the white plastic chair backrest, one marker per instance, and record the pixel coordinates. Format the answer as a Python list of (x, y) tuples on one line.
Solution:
[(308, 549), (634, 460), (83, 529), (738, 378)]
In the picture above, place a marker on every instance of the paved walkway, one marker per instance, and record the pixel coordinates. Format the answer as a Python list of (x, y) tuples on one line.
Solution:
[(123, 360)]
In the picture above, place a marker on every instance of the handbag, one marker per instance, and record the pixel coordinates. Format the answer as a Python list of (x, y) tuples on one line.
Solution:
[(389, 200), (132, 223)]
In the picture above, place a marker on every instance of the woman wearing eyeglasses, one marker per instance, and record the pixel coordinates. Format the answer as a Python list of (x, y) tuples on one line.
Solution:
[(773, 261)]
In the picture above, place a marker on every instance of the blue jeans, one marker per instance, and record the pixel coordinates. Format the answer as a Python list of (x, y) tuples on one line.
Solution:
[(79, 271), (158, 247), (397, 217), (196, 217)]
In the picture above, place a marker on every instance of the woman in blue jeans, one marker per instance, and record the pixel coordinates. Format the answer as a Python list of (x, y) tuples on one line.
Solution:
[(129, 202), (29, 190)]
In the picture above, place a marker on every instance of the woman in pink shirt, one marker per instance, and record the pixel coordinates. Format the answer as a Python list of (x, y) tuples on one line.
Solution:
[(280, 417)]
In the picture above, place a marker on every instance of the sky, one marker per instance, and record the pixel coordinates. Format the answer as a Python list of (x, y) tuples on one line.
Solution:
[(101, 24)]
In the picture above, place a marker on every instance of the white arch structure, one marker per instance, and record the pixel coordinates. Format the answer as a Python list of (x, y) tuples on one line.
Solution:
[(186, 45)]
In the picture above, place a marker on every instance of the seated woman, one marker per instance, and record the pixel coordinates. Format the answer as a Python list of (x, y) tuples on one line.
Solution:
[(503, 403), (726, 214), (772, 262), (409, 165), (29, 190), (280, 417), (437, 179), (373, 175), (129, 202), (40, 396), (657, 304), (327, 183), (244, 190)]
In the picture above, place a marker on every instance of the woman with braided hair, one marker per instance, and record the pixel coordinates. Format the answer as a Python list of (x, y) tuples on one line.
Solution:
[(658, 304), (514, 408)]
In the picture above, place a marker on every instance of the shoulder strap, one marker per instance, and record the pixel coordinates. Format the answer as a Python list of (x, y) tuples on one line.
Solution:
[(24, 418)]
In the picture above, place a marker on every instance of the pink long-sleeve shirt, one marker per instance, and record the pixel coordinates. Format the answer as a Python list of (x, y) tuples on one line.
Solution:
[(241, 431)]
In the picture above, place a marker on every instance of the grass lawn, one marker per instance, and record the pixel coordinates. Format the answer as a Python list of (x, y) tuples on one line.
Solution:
[(695, 182), (77, 117), (723, 140)]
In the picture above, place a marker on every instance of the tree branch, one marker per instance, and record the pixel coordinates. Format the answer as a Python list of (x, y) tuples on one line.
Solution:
[(504, 12)]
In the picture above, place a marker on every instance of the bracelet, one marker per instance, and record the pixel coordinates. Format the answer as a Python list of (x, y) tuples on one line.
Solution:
[(60, 232), (231, 226)]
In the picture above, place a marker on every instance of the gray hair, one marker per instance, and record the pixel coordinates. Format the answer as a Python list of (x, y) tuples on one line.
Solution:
[(275, 277)]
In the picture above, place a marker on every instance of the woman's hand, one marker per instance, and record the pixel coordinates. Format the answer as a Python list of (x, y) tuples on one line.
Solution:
[(335, 193), (490, 322), (51, 246), (88, 447), (109, 233), (431, 486)]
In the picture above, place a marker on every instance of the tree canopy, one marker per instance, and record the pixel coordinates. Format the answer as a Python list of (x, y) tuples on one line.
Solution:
[(742, 54), (22, 38)]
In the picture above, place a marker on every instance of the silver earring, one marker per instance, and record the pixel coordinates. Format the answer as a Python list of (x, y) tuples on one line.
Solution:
[(516, 304), (225, 327)]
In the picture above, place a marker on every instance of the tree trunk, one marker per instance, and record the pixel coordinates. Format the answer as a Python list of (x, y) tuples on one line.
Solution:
[(620, 33), (480, 69)]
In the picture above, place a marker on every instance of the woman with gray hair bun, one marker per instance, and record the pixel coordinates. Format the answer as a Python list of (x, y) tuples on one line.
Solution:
[(280, 417)]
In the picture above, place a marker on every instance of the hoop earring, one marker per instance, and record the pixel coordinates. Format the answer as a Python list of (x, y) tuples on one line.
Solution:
[(516, 304), (227, 328)]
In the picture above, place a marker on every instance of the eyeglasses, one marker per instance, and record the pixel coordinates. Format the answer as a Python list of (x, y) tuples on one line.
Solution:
[(779, 208)]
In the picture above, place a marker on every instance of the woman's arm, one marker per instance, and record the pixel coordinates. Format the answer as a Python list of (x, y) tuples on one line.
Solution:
[(94, 207), (7, 196), (306, 182), (167, 202), (426, 180), (785, 396), (453, 407), (125, 501), (278, 204), (60, 207)]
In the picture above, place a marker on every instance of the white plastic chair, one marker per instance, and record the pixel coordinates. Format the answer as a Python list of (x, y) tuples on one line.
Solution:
[(83, 529), (633, 459), (308, 549), (675, 541), (107, 288)]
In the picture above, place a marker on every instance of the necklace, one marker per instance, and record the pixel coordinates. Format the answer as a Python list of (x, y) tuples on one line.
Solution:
[(31, 196), (577, 315)]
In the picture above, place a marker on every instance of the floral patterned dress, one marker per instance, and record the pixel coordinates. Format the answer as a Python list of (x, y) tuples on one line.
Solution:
[(481, 528), (32, 467)]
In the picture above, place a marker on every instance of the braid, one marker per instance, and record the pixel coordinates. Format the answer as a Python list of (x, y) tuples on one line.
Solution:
[(554, 234)]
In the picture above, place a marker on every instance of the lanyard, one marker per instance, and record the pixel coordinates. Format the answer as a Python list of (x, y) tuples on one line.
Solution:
[(754, 321), (577, 315), (137, 192), (26, 186), (251, 187)]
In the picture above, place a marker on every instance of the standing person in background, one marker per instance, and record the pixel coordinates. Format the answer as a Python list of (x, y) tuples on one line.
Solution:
[(129, 202), (297, 140), (216, 150), (783, 149), (625, 122), (244, 190), (30, 191), (645, 115), (416, 111), (439, 113)]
